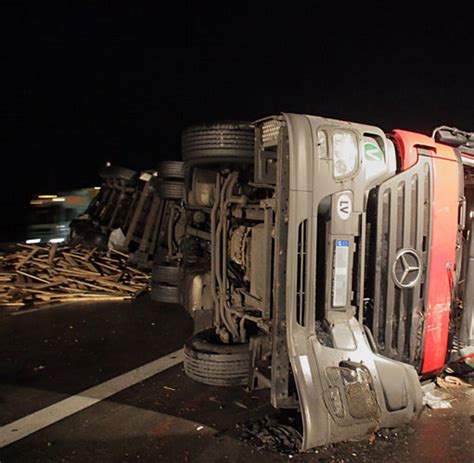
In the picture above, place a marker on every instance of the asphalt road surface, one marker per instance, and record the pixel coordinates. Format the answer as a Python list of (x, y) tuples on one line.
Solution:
[(104, 382)]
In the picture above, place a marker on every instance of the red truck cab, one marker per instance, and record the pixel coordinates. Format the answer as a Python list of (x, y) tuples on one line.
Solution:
[(447, 194)]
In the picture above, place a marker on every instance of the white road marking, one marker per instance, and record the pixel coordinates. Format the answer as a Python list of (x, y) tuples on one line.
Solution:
[(30, 424)]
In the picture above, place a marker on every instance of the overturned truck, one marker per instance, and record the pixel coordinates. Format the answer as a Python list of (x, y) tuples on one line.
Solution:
[(325, 260)]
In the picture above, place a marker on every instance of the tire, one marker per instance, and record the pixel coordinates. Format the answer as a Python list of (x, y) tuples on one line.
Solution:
[(171, 169), (161, 292), (85, 233), (78, 229), (96, 239), (170, 190), (208, 362), (220, 142), (166, 274), (75, 237)]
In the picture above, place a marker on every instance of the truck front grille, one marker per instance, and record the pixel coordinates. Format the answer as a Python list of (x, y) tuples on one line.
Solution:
[(398, 233)]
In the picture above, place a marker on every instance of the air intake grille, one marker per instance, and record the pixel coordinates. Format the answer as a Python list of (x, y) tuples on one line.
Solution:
[(301, 273), (400, 215)]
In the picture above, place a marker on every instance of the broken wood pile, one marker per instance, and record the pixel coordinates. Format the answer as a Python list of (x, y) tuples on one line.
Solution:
[(38, 275)]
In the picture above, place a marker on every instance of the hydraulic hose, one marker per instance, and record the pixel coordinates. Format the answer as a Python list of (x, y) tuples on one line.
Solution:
[(220, 243), (215, 207), (226, 196)]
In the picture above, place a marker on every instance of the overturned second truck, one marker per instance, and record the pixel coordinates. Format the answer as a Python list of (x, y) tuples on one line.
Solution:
[(327, 261)]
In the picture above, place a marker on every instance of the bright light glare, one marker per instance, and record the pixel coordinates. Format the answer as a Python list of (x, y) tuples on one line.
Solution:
[(59, 200), (47, 196), (345, 153), (33, 241), (56, 240)]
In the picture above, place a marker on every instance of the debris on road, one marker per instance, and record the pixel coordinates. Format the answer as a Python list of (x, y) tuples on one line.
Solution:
[(35, 275), (451, 381), (434, 398), (269, 433)]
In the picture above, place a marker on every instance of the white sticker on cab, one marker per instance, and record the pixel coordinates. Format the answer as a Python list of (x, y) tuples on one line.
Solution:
[(344, 206)]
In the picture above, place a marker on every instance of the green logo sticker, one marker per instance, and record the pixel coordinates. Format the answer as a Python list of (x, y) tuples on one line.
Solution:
[(373, 152)]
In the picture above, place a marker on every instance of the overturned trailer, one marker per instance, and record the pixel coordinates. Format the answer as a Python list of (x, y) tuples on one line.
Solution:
[(325, 260), (131, 211)]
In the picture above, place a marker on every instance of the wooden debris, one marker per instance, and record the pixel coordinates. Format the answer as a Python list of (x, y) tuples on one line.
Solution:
[(26, 259), (38, 275), (52, 253)]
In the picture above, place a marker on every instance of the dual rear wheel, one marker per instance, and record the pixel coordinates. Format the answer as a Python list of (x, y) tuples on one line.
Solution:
[(206, 359)]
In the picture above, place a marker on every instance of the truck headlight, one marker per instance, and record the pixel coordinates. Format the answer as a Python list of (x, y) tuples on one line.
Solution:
[(346, 154)]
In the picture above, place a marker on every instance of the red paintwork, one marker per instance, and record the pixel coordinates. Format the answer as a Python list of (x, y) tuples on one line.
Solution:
[(445, 191), (467, 155), (406, 143)]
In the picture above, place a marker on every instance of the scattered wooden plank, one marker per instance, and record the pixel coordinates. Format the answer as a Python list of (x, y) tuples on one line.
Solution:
[(119, 253), (90, 253), (23, 261), (91, 267), (52, 253), (39, 262), (41, 275), (90, 285), (109, 267), (12, 304), (70, 260), (117, 285), (32, 277), (139, 272), (78, 272)]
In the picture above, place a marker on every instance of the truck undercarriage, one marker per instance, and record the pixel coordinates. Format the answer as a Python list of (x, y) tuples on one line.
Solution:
[(324, 260)]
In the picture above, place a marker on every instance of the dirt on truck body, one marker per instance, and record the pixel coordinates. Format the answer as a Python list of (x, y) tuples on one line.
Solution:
[(324, 260)]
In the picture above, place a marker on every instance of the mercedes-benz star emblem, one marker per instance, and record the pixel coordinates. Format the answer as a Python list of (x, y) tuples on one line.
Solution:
[(406, 270)]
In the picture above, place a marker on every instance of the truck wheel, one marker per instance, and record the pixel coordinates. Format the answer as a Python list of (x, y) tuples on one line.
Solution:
[(171, 169), (166, 274), (208, 362), (218, 142), (161, 292), (78, 229), (96, 239), (170, 190)]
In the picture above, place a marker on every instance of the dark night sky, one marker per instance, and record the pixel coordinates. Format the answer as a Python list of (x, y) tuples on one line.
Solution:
[(119, 83)]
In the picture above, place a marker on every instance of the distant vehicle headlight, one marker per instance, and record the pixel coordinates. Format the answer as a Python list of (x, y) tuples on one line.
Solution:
[(346, 155), (57, 240)]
